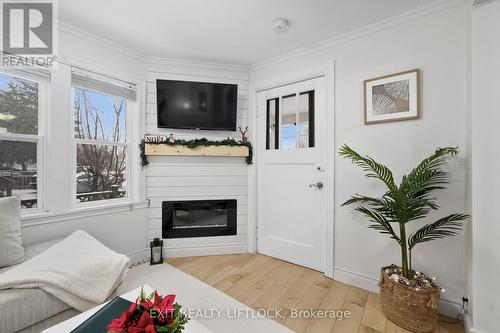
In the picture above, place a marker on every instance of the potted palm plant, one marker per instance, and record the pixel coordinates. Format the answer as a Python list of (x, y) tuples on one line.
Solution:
[(409, 298)]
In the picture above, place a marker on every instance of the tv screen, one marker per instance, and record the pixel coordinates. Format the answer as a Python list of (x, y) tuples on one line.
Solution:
[(196, 105)]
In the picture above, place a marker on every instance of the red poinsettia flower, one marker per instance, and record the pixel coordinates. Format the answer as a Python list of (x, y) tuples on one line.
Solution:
[(150, 329), (147, 314), (140, 326), (134, 329), (118, 325), (167, 304), (146, 304), (145, 320)]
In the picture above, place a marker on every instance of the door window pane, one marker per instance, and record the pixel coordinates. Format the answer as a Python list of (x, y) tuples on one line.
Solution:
[(272, 114), (306, 119), (99, 116), (18, 171), (18, 105), (289, 123), (100, 172)]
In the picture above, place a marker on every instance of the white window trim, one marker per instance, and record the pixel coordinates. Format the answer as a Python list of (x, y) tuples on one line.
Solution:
[(41, 218), (131, 107), (39, 139)]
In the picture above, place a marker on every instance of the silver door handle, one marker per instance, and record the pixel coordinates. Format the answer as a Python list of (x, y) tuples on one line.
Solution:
[(318, 185)]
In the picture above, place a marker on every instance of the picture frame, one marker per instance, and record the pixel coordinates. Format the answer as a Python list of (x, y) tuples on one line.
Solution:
[(393, 97)]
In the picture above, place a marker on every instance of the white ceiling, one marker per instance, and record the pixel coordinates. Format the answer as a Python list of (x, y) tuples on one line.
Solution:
[(227, 31)]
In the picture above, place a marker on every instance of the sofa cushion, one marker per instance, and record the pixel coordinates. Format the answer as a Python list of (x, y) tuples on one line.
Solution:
[(20, 308), (49, 322), (11, 249)]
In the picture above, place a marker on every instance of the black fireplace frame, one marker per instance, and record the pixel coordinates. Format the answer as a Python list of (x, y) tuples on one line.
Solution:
[(167, 219)]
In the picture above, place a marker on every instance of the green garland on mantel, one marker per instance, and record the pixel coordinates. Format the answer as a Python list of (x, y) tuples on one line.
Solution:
[(197, 143)]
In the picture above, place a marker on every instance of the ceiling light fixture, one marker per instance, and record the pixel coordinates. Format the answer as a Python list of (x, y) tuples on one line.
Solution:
[(281, 25)]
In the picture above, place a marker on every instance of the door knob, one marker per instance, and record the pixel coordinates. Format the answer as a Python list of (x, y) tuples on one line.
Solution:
[(318, 185)]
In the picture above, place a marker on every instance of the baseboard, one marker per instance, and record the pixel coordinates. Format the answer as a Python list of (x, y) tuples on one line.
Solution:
[(190, 251), (356, 280), (446, 307), (138, 256), (449, 308), (212, 250)]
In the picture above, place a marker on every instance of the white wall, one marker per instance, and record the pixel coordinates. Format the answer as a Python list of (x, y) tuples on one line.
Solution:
[(122, 228), (197, 178), (485, 161), (435, 43)]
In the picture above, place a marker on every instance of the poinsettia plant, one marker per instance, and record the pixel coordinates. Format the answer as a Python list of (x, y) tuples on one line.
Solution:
[(150, 314)]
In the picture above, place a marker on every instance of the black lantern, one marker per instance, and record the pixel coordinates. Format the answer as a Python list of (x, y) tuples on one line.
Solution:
[(156, 251)]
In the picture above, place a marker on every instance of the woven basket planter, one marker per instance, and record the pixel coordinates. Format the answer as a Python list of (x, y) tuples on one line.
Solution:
[(414, 310)]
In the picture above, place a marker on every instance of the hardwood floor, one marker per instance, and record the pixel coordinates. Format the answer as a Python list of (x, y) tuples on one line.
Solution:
[(264, 282)]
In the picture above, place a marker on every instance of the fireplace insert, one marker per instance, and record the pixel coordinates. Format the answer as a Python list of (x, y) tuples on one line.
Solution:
[(198, 218)]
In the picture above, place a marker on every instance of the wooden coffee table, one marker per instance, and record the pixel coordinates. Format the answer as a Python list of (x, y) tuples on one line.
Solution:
[(67, 326)]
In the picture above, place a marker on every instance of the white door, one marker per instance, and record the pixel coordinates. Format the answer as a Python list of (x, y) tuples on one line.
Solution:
[(291, 173)]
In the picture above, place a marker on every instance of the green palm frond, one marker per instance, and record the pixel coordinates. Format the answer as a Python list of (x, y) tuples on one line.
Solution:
[(413, 209), (378, 222), (370, 166), (421, 186), (436, 160), (444, 227), (427, 176), (383, 206), (362, 199)]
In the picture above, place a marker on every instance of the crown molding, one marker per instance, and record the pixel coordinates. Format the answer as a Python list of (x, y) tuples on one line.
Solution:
[(148, 60), (194, 63), (478, 3), (409, 16), (101, 41)]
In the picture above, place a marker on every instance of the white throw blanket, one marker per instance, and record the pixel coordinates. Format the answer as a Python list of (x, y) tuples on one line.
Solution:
[(79, 271)]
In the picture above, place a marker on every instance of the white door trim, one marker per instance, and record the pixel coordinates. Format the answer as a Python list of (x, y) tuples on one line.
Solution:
[(328, 71)]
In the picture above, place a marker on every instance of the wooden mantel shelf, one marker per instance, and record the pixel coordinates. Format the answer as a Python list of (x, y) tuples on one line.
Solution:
[(180, 150)]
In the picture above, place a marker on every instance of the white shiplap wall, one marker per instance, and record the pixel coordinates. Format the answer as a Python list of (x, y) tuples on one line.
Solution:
[(196, 178)]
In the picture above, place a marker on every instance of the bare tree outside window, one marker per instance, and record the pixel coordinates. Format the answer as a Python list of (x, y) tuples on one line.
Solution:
[(100, 145)]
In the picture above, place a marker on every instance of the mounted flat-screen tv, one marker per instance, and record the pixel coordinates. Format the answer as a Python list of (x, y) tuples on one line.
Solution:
[(196, 105)]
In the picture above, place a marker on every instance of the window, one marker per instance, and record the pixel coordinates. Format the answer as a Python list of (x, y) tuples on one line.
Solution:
[(101, 144), (21, 139), (290, 121)]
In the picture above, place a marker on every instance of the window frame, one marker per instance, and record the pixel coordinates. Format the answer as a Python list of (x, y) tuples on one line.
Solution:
[(310, 91), (39, 139), (130, 105)]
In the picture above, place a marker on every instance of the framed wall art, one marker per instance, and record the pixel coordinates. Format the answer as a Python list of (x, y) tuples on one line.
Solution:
[(392, 97)]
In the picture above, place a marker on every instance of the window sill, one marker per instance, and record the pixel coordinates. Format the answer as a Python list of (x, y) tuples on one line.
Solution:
[(33, 219)]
